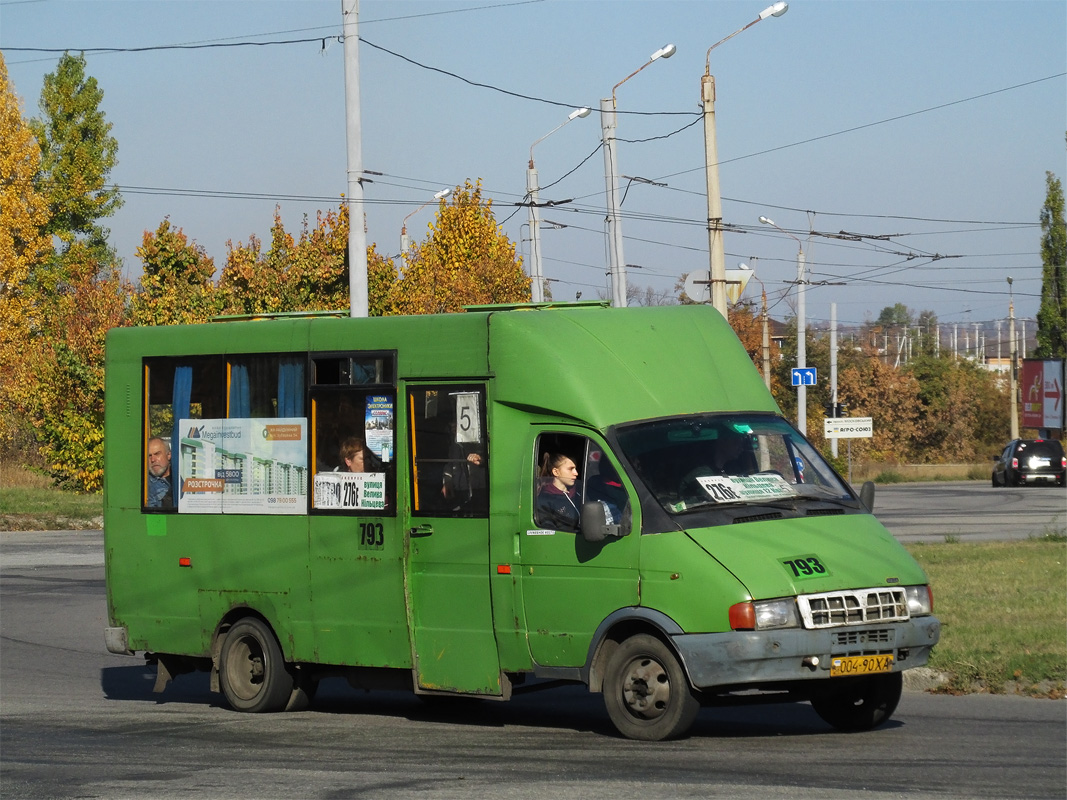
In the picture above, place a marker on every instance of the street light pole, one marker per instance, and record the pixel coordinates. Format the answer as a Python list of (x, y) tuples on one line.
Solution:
[(616, 263), (802, 355), (716, 250), (537, 280), (1013, 369), (404, 241)]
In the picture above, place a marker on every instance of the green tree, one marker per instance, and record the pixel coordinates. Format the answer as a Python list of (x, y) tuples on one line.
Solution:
[(1052, 313), (897, 315), (466, 260), (78, 153)]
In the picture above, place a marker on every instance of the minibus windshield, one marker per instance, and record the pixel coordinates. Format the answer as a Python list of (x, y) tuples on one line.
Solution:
[(695, 462)]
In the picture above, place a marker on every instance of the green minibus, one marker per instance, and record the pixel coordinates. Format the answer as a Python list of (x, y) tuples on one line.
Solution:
[(488, 502)]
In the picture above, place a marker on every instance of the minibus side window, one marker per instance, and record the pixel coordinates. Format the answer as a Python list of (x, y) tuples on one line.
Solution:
[(186, 388), (353, 441), (449, 451), (226, 434), (573, 470)]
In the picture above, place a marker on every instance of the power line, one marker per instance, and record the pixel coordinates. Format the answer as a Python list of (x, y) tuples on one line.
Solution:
[(873, 124)]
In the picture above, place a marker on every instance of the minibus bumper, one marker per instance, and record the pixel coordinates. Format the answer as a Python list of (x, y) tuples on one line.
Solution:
[(794, 654)]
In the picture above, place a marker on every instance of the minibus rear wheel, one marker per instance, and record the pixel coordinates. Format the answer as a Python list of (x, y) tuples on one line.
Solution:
[(646, 692), (858, 704), (252, 673)]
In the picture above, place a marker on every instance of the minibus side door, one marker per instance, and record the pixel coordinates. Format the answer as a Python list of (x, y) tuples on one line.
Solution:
[(570, 585), (448, 596)]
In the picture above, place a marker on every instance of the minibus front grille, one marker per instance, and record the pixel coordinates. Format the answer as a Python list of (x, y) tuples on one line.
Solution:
[(853, 607), (853, 638)]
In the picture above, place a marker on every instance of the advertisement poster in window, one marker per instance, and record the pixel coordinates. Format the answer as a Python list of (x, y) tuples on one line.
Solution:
[(243, 466), (379, 426)]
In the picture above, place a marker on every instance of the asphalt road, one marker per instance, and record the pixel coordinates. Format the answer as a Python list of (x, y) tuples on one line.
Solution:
[(970, 511), (76, 721)]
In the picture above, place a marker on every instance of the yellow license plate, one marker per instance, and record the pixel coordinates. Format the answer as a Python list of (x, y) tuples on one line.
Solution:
[(860, 665)]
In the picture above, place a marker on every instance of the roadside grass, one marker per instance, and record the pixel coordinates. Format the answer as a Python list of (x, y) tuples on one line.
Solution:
[(29, 503), (909, 473), (1003, 612)]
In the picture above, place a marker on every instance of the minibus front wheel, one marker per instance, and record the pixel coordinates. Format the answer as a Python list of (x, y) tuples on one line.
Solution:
[(252, 673), (646, 692), (858, 704)]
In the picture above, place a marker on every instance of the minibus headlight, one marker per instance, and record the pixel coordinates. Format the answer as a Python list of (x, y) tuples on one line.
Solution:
[(780, 613), (763, 615), (920, 600)]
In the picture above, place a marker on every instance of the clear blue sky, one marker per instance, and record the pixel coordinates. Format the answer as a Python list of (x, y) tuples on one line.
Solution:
[(930, 124)]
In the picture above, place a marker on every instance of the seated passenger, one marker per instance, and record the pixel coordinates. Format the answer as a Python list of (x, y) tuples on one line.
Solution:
[(733, 456), (606, 487), (356, 456), (557, 498), (160, 487)]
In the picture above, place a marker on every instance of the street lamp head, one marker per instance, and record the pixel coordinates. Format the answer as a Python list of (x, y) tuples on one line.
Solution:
[(1009, 280), (766, 221), (441, 194), (578, 112), (776, 10), (664, 52)]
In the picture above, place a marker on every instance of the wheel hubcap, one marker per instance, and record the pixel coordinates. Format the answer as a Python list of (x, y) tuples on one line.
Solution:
[(245, 670), (646, 688)]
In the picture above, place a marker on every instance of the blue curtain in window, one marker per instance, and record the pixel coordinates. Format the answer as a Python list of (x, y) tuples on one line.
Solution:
[(291, 387), (180, 405), (240, 392)]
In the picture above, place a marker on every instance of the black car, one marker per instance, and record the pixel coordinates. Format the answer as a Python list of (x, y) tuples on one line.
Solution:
[(1028, 461)]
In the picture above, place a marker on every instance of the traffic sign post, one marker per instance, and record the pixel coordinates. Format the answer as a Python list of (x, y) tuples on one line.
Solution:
[(848, 428)]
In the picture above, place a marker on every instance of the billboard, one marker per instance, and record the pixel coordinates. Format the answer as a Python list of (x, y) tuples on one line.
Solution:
[(1041, 393)]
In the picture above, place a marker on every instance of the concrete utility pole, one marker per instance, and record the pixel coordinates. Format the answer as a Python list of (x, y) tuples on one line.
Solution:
[(802, 344), (1013, 369), (616, 264), (716, 250), (833, 368), (611, 179), (537, 277), (357, 234)]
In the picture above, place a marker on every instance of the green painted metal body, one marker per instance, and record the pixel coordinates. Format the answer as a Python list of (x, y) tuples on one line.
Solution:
[(475, 599)]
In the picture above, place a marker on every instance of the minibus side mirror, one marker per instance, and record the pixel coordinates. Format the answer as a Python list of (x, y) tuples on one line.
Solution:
[(867, 495), (595, 525)]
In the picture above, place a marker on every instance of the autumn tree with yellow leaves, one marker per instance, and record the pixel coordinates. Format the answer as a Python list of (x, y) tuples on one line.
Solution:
[(465, 260), (177, 284), (24, 246), (308, 273), (67, 401)]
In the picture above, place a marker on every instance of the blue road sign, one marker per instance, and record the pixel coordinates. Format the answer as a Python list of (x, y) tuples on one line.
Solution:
[(803, 376)]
